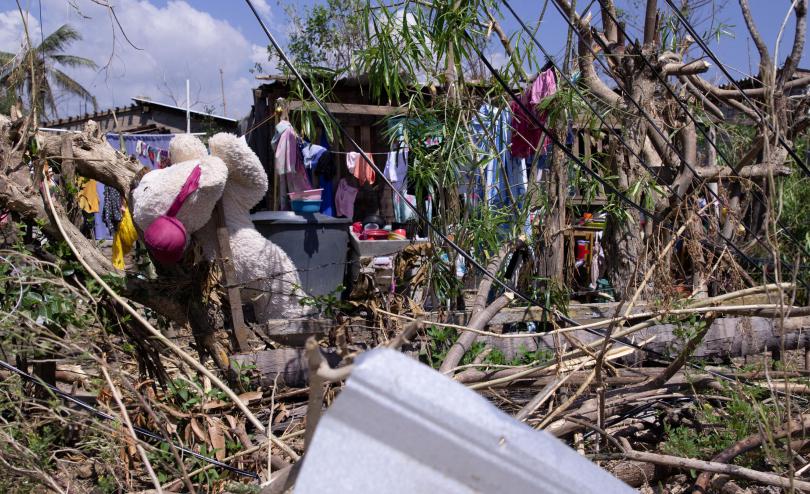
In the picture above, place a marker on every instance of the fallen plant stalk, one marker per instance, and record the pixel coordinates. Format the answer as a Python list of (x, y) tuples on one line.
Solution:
[(128, 423)]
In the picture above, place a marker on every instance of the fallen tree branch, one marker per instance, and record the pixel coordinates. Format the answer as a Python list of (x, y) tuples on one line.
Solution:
[(750, 171), (710, 466), (693, 67), (546, 393), (753, 441)]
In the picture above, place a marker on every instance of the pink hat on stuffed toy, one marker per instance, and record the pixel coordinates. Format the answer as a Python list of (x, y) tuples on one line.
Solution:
[(166, 237)]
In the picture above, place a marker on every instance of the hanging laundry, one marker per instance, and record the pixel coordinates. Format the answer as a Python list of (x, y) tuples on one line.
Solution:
[(325, 170), (133, 145), (289, 163), (124, 239), (311, 153), (360, 168), (491, 133), (516, 177), (318, 163), (152, 154), (88, 196), (526, 138), (165, 162), (402, 213), (396, 168), (344, 199), (112, 213)]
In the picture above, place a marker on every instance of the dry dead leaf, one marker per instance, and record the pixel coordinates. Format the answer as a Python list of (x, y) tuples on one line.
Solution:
[(198, 430), (282, 413), (217, 435)]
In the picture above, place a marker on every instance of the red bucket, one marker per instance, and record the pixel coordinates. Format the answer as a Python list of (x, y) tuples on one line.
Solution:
[(581, 251)]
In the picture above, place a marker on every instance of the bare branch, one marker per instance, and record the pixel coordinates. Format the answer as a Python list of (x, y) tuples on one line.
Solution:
[(650, 22), (694, 67), (795, 56), (609, 27), (735, 93), (765, 62), (751, 171), (586, 60), (707, 105)]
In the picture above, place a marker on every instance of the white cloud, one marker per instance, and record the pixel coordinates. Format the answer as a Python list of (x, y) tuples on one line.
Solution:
[(176, 42), (259, 54), (498, 59), (262, 6), (12, 30)]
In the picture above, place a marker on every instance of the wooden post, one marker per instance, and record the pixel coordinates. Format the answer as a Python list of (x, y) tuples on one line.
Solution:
[(240, 331)]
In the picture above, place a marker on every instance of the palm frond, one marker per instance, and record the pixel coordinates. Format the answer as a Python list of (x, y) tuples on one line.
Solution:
[(73, 61), (6, 57), (58, 40), (64, 82), (48, 100)]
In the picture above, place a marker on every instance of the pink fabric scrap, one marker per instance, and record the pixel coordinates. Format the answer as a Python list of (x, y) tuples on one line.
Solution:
[(526, 136)]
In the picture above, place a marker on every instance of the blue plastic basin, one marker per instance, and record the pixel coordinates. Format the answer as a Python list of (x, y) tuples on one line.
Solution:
[(306, 206)]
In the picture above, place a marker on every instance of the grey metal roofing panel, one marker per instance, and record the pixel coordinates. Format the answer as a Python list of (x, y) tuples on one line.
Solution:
[(401, 427), (155, 103)]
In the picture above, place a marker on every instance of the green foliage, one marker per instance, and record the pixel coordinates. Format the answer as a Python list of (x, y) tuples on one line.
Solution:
[(743, 414), (243, 372), (326, 36), (795, 205), (440, 339), (327, 305), (188, 394)]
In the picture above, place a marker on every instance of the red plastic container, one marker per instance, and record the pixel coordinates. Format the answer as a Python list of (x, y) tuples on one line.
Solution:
[(375, 234), (581, 251)]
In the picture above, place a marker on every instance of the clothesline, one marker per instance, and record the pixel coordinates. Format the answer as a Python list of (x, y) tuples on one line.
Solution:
[(347, 152), (49, 129)]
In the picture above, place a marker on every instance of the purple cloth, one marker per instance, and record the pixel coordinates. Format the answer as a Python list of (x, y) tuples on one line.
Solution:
[(152, 152)]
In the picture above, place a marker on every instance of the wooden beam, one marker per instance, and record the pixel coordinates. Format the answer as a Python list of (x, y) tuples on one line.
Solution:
[(240, 331), (347, 108)]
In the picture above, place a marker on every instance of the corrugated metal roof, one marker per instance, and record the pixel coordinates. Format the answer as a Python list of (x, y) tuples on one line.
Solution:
[(401, 427), (165, 105)]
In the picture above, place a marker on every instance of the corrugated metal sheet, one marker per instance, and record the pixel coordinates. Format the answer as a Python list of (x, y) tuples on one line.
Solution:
[(401, 427)]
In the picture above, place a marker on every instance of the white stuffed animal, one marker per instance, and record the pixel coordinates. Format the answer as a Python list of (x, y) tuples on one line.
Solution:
[(233, 173)]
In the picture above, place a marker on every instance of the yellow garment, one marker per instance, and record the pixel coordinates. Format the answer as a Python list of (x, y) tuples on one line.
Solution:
[(124, 239), (88, 196)]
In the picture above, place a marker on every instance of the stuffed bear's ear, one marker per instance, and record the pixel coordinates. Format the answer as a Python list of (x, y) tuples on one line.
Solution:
[(245, 171), (185, 147)]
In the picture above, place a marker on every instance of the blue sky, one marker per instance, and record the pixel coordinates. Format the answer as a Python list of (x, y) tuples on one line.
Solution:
[(195, 38)]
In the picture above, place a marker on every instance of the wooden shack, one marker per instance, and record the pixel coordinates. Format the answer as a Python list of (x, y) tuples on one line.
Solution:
[(351, 102)]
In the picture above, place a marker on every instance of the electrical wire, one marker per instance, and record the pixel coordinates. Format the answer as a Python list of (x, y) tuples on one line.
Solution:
[(461, 251), (756, 194), (139, 430), (610, 127), (663, 135)]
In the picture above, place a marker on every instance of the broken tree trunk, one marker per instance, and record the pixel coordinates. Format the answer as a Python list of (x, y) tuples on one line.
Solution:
[(726, 338)]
